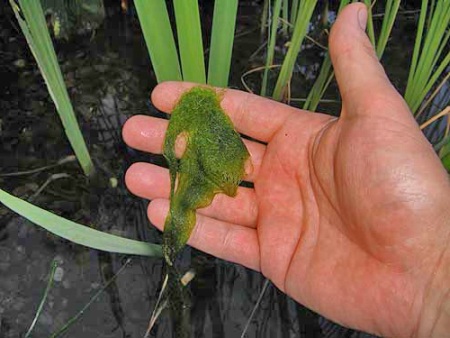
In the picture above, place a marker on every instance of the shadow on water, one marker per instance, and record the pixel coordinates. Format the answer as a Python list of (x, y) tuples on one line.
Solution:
[(109, 78)]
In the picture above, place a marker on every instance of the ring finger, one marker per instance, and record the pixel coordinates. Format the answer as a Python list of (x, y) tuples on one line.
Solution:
[(153, 182)]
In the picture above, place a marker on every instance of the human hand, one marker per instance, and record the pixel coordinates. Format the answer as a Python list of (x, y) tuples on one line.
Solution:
[(349, 216)]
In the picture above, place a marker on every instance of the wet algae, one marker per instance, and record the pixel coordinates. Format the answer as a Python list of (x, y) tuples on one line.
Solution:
[(212, 162)]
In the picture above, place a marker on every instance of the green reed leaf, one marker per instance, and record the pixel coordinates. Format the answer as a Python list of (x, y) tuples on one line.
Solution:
[(77, 233), (430, 56), (32, 22), (190, 42), (305, 12), (222, 38), (159, 39), (390, 14), (324, 78), (274, 18)]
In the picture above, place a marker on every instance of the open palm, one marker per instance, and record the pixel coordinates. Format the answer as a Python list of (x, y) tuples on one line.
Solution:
[(345, 213)]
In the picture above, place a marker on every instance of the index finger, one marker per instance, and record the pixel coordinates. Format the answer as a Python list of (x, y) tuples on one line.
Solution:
[(252, 115)]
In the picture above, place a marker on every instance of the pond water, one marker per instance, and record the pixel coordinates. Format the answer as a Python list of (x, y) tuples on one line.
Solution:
[(109, 78)]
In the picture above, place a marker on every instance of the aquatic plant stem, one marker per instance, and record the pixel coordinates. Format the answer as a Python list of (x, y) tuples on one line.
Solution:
[(67, 159), (44, 298), (91, 301), (49, 180), (161, 303)]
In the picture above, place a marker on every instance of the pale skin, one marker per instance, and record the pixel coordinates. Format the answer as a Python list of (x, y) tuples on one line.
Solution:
[(349, 216)]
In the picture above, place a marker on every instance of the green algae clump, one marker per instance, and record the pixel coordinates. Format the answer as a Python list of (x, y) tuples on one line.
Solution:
[(213, 162)]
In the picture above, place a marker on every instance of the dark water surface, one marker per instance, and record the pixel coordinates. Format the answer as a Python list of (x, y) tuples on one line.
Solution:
[(109, 78)]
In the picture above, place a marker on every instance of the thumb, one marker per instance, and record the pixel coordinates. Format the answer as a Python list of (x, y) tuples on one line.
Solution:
[(362, 82)]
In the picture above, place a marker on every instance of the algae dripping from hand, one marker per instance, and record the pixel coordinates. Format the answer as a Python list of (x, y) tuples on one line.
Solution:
[(212, 161)]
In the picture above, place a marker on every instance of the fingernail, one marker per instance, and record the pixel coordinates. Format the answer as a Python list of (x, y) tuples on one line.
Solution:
[(362, 18)]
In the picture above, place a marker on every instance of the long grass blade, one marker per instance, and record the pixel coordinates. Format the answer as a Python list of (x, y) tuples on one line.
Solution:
[(294, 12), (285, 15), (415, 105), (432, 42), (390, 14), (428, 62), (324, 78), (32, 22), (190, 42), (78, 233), (44, 298), (80, 313), (274, 18), (370, 29), (431, 97), (417, 47), (222, 38), (264, 16), (159, 39), (320, 85), (305, 11), (258, 302)]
